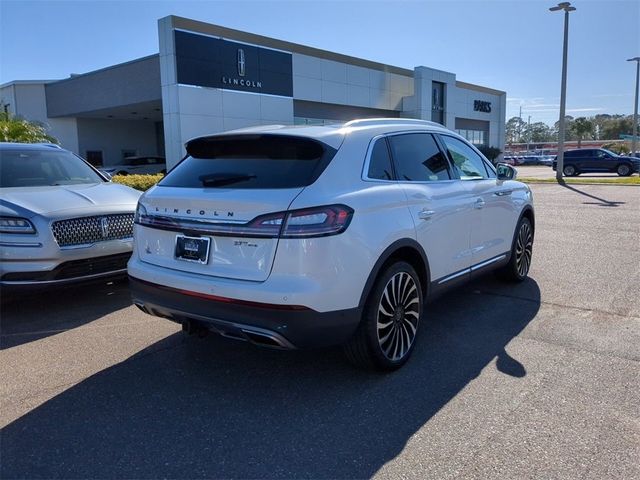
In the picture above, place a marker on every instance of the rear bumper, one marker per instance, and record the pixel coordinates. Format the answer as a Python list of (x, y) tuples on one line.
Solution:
[(276, 326)]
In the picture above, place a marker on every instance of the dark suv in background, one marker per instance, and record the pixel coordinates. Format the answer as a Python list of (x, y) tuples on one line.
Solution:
[(593, 160)]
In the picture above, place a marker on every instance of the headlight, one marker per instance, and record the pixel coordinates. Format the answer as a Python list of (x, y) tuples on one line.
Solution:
[(140, 212), (16, 225)]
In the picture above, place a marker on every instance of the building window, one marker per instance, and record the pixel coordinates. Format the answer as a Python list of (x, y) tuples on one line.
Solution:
[(129, 153), (477, 137), (314, 121), (437, 102), (94, 157)]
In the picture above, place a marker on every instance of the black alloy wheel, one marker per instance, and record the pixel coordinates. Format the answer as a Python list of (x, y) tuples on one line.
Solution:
[(521, 253), (386, 335), (623, 170)]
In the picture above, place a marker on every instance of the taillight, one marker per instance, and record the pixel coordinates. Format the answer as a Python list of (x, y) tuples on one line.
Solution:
[(317, 221), (303, 223)]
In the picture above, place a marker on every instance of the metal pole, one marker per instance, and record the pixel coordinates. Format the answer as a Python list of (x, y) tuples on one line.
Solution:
[(528, 133), (563, 99), (635, 111)]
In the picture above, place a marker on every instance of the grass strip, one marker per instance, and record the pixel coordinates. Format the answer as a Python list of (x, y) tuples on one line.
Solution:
[(634, 180)]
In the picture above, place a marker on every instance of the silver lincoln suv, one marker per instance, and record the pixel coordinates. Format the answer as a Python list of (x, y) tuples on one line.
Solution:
[(60, 220), (295, 237)]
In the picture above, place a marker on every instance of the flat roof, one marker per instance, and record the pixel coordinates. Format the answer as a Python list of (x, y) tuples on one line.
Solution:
[(246, 37), (260, 40), (26, 82)]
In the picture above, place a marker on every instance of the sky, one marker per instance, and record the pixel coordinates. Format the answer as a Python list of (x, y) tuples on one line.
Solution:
[(510, 45)]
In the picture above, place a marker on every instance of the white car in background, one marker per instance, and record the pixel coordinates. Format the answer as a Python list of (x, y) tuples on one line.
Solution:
[(294, 237), (144, 165), (60, 220)]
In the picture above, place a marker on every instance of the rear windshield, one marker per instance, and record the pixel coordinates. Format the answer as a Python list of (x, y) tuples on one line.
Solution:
[(250, 161), (37, 168)]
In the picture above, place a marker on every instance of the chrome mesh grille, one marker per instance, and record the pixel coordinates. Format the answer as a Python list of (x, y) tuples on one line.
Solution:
[(84, 230)]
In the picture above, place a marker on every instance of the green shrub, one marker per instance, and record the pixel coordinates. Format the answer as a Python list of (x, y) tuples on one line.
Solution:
[(139, 182), (19, 130), (490, 152)]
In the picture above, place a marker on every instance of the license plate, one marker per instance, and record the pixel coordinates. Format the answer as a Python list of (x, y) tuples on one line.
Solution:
[(192, 249)]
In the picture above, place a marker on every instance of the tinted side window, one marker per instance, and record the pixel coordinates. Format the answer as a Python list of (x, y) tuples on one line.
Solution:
[(418, 158), (570, 154), (380, 162), (466, 161)]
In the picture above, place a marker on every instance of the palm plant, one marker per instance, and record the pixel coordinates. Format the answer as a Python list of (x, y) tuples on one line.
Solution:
[(18, 130)]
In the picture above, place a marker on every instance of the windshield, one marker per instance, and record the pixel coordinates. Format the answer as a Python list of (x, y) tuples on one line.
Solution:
[(37, 168)]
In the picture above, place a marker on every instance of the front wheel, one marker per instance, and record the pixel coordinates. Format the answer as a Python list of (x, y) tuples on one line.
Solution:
[(623, 170), (521, 253), (386, 335)]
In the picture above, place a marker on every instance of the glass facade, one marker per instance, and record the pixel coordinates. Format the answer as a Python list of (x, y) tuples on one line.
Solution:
[(477, 137)]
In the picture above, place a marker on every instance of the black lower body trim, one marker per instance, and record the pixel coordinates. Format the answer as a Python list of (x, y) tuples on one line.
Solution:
[(270, 327), (71, 271)]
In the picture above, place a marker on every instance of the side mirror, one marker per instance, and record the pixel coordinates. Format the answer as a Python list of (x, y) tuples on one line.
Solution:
[(506, 172)]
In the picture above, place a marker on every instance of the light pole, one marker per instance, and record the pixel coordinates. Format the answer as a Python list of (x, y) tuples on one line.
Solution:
[(566, 6), (635, 107)]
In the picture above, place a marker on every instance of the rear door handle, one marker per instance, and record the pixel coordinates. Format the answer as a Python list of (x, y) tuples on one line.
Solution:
[(480, 203), (425, 214)]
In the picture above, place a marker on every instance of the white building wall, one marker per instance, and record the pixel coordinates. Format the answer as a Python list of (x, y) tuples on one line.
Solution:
[(28, 100), (458, 102), (190, 111), (328, 81), (193, 111)]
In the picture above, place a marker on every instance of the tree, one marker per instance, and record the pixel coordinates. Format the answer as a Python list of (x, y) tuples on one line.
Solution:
[(13, 129), (539, 132), (568, 128), (616, 126), (490, 152), (582, 127), (514, 129)]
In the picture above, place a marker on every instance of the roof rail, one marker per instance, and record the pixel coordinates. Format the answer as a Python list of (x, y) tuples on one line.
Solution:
[(390, 121)]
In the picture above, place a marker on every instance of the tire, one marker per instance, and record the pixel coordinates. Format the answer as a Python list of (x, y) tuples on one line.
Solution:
[(521, 253), (624, 170), (569, 171), (386, 335)]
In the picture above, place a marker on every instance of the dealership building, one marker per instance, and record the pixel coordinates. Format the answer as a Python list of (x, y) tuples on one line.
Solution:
[(207, 79)]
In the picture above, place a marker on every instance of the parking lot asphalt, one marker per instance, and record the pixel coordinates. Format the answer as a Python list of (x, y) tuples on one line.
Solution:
[(537, 380)]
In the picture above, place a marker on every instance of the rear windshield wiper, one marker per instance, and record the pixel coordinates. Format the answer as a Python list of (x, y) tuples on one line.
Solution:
[(218, 180)]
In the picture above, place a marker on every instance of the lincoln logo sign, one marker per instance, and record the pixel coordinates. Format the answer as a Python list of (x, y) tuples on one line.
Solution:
[(241, 71), (217, 63), (241, 62), (480, 106)]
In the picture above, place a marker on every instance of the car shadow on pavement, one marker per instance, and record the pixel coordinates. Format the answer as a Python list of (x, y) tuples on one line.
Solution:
[(31, 315), (599, 201), (213, 408)]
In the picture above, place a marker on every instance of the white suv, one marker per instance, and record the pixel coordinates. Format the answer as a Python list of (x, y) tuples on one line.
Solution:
[(295, 237)]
